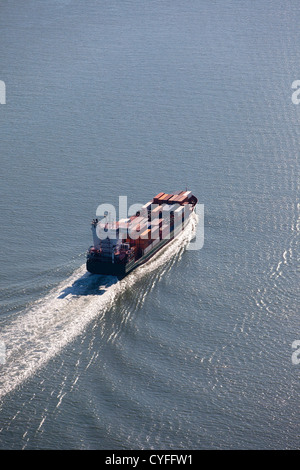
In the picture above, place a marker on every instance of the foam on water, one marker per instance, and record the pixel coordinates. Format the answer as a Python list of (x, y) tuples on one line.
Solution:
[(47, 326)]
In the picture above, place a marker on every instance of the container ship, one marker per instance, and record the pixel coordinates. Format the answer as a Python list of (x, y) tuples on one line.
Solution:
[(121, 246)]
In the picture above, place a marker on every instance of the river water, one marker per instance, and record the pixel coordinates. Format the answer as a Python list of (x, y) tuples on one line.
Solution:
[(193, 350)]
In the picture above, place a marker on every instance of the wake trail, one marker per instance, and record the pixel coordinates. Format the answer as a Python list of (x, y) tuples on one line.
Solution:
[(46, 327)]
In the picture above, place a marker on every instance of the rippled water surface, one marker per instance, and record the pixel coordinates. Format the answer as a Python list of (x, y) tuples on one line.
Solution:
[(193, 350)]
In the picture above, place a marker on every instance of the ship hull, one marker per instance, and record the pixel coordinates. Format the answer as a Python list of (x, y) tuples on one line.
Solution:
[(159, 222), (97, 266)]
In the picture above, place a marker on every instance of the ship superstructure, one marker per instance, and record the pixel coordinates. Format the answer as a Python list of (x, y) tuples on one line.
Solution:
[(123, 245)]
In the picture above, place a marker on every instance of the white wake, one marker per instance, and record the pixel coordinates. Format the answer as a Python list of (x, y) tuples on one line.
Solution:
[(47, 326)]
